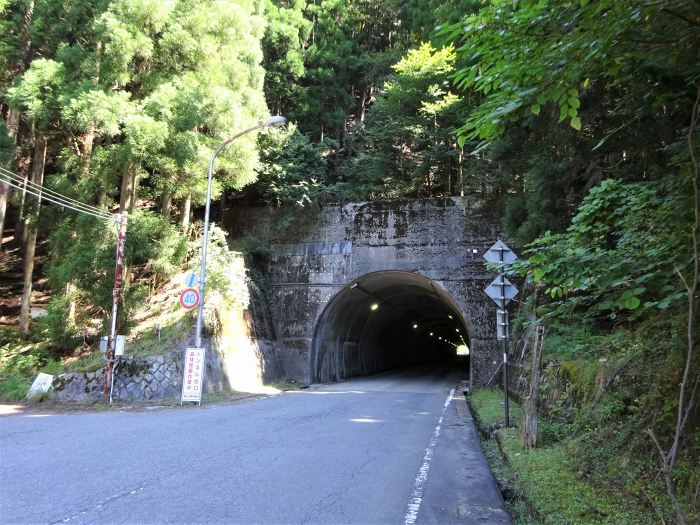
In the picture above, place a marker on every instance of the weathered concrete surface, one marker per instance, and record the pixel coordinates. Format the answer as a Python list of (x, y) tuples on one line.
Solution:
[(321, 253)]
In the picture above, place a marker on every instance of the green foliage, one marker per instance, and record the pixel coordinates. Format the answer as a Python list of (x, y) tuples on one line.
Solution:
[(89, 363), (19, 361), (601, 387), (6, 146), (14, 387), (57, 326), (37, 92), (524, 56), (293, 170), (489, 405), (622, 253), (551, 478), (409, 145), (154, 242), (84, 254), (223, 283), (283, 45)]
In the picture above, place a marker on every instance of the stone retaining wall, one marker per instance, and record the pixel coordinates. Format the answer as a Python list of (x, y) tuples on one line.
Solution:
[(138, 379)]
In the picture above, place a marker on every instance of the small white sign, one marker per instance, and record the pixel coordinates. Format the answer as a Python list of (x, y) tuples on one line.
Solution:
[(41, 385), (502, 324), (121, 344), (118, 347), (193, 375)]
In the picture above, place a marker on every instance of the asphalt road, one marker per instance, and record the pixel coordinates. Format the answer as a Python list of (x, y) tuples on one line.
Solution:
[(393, 448)]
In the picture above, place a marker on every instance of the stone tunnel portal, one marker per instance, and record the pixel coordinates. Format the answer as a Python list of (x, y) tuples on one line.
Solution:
[(385, 320)]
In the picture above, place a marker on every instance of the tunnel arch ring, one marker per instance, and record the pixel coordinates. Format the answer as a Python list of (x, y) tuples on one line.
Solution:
[(383, 320)]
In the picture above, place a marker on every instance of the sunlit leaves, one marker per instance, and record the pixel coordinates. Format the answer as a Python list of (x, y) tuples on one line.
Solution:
[(523, 56), (621, 254)]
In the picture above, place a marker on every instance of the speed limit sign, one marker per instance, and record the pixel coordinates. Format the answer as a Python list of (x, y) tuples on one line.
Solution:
[(189, 298)]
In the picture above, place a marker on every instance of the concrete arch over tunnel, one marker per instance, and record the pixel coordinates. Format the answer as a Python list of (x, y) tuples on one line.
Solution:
[(385, 320)]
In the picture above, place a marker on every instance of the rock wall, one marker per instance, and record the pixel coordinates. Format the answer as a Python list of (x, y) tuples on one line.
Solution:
[(139, 379)]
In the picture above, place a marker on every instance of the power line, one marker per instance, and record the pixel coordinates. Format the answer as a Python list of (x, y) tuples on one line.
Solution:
[(55, 194), (63, 204)]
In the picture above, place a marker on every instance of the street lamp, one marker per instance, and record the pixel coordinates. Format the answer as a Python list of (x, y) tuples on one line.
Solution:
[(277, 120)]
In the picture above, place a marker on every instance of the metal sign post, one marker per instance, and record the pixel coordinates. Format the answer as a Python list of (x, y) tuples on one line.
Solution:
[(502, 292), (116, 296)]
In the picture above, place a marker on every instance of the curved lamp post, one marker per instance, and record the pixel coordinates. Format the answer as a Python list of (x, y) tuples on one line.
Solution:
[(271, 122)]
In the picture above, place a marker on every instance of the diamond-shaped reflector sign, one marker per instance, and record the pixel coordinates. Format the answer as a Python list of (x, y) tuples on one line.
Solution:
[(493, 255), (502, 292)]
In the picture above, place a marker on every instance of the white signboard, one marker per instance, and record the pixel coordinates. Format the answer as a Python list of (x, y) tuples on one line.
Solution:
[(41, 385), (119, 346), (193, 375), (502, 325)]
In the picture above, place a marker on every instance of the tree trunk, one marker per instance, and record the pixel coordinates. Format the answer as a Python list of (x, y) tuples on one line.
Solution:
[(70, 315), (166, 203), (529, 434), (4, 195), (222, 205), (38, 163), (20, 230), (22, 216), (12, 123), (128, 191), (88, 141), (185, 214), (26, 33), (461, 173)]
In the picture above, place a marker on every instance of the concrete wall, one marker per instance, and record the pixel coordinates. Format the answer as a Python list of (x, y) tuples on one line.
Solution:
[(321, 252)]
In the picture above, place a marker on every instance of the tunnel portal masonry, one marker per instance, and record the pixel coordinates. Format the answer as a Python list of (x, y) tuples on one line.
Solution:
[(346, 284)]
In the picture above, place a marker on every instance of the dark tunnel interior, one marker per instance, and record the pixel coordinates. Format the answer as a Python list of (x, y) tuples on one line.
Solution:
[(387, 320)]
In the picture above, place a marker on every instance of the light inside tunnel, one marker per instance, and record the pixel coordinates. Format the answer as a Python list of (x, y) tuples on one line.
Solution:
[(354, 337)]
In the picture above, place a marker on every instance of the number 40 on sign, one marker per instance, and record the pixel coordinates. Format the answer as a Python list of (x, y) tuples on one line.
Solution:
[(189, 298)]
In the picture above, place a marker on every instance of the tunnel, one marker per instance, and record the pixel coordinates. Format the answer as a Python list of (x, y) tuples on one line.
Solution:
[(387, 320)]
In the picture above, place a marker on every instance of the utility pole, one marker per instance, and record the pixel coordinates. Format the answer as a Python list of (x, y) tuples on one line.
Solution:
[(116, 296)]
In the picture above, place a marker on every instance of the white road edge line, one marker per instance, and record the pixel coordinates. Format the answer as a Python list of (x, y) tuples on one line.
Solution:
[(419, 483)]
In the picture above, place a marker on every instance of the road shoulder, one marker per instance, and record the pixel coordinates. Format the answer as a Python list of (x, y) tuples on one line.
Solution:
[(461, 487)]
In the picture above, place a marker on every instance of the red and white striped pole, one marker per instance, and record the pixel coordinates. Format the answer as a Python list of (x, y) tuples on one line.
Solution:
[(116, 296)]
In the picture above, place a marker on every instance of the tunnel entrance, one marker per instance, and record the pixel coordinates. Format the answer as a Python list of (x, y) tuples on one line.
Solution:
[(385, 320)]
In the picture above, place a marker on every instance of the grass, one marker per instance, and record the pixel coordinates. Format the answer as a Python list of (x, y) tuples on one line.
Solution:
[(549, 479), (490, 407), (287, 384), (14, 387), (85, 363)]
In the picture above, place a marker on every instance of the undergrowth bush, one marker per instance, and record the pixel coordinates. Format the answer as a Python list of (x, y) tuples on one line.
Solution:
[(14, 387), (602, 389)]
